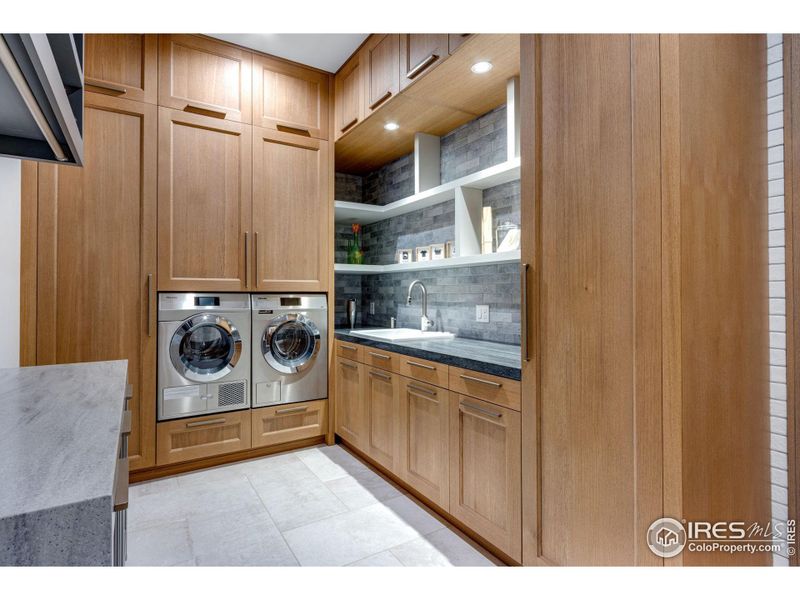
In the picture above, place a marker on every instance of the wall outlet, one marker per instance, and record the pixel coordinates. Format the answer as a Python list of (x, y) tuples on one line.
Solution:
[(372, 308), (482, 313)]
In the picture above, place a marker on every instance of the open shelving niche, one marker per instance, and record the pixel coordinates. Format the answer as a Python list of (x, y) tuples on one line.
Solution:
[(467, 192)]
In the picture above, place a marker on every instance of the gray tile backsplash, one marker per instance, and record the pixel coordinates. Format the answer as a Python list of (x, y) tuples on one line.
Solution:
[(453, 292)]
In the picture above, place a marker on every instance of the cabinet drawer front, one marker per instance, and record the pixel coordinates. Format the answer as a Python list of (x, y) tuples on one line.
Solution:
[(423, 370), (289, 422), (388, 361), (499, 390), (201, 437), (350, 351), (201, 75)]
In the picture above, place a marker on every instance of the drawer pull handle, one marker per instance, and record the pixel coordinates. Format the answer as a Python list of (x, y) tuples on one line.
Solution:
[(285, 127), (380, 100), (482, 410), (206, 422), (383, 376), (483, 381), (217, 111), (378, 355), (422, 65), (421, 389), (349, 125), (416, 364), (348, 347), (106, 85), (289, 411), (125, 428), (349, 366)]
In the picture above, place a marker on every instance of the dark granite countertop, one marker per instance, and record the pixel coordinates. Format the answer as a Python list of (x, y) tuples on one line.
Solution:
[(492, 358)]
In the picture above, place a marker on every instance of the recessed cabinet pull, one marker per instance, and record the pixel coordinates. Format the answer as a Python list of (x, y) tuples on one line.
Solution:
[(210, 108), (293, 129), (206, 422), (481, 410), (288, 411), (421, 66), (381, 100), (483, 381), (423, 390), (149, 305), (383, 376), (378, 355), (105, 85), (349, 125), (416, 364)]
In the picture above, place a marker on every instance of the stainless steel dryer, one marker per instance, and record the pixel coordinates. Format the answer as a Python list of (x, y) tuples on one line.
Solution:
[(203, 354), (290, 356)]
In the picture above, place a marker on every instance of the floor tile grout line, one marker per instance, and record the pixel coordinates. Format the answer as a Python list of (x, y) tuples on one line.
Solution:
[(283, 537)]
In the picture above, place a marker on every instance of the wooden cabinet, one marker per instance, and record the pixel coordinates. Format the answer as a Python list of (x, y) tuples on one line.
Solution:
[(201, 437), (204, 202), (424, 370), (491, 388), (205, 76), (382, 63), (381, 397), (454, 40), (292, 212), (350, 351), (289, 422), (423, 434), (122, 65), (419, 53), (96, 255), (485, 471), (350, 414), (290, 97), (349, 95)]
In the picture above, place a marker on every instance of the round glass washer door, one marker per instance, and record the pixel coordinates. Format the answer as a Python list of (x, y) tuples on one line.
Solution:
[(290, 343), (205, 347)]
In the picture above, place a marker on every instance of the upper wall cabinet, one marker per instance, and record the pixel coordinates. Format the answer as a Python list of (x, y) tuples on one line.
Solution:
[(291, 212), (290, 97), (419, 53), (382, 60), (455, 40), (199, 75), (204, 207), (122, 65), (349, 95)]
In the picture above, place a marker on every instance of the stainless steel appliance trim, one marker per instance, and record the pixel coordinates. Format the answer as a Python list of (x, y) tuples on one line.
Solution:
[(193, 323), (266, 343)]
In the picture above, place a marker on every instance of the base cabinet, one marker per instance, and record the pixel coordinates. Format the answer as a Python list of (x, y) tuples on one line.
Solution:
[(423, 436), (350, 413), (288, 423), (381, 394), (209, 435), (485, 471)]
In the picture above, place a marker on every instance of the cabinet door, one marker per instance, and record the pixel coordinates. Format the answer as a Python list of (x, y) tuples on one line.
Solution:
[(382, 57), (97, 255), (290, 97), (382, 394), (350, 410), (204, 202), (288, 423), (349, 96), (122, 65), (485, 471), (200, 75), (419, 53), (423, 435), (291, 212), (455, 40)]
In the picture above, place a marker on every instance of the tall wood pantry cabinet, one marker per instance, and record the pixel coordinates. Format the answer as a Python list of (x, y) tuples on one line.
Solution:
[(645, 269)]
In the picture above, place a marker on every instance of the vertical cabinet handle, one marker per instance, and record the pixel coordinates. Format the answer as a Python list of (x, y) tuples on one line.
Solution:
[(524, 309), (255, 256), (246, 261), (149, 305)]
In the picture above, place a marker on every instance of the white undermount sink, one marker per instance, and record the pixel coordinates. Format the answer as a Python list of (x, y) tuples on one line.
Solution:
[(401, 335)]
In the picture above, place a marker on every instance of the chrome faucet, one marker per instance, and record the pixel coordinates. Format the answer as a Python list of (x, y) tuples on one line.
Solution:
[(425, 322)]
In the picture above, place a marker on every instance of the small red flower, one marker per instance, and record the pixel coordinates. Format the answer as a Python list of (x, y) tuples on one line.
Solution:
[(356, 227)]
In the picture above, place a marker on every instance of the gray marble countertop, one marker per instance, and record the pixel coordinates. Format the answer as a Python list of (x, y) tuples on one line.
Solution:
[(59, 443), (493, 358)]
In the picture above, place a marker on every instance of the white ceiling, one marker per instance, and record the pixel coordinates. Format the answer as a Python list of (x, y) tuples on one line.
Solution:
[(326, 51)]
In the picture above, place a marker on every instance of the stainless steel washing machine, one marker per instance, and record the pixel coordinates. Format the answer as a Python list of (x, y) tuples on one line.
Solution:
[(290, 356), (203, 354)]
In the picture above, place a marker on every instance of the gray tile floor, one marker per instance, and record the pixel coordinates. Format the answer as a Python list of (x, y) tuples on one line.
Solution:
[(317, 506)]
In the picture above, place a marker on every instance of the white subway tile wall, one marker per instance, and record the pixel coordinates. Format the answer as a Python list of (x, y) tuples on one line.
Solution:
[(777, 283)]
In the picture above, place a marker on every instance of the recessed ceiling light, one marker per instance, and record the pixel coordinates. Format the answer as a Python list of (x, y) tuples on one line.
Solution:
[(391, 126), (483, 66)]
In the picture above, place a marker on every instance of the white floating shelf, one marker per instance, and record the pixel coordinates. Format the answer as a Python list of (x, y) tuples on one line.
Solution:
[(444, 263), (357, 212)]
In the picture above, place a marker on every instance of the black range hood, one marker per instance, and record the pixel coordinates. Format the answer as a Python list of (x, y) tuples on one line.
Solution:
[(41, 96)]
